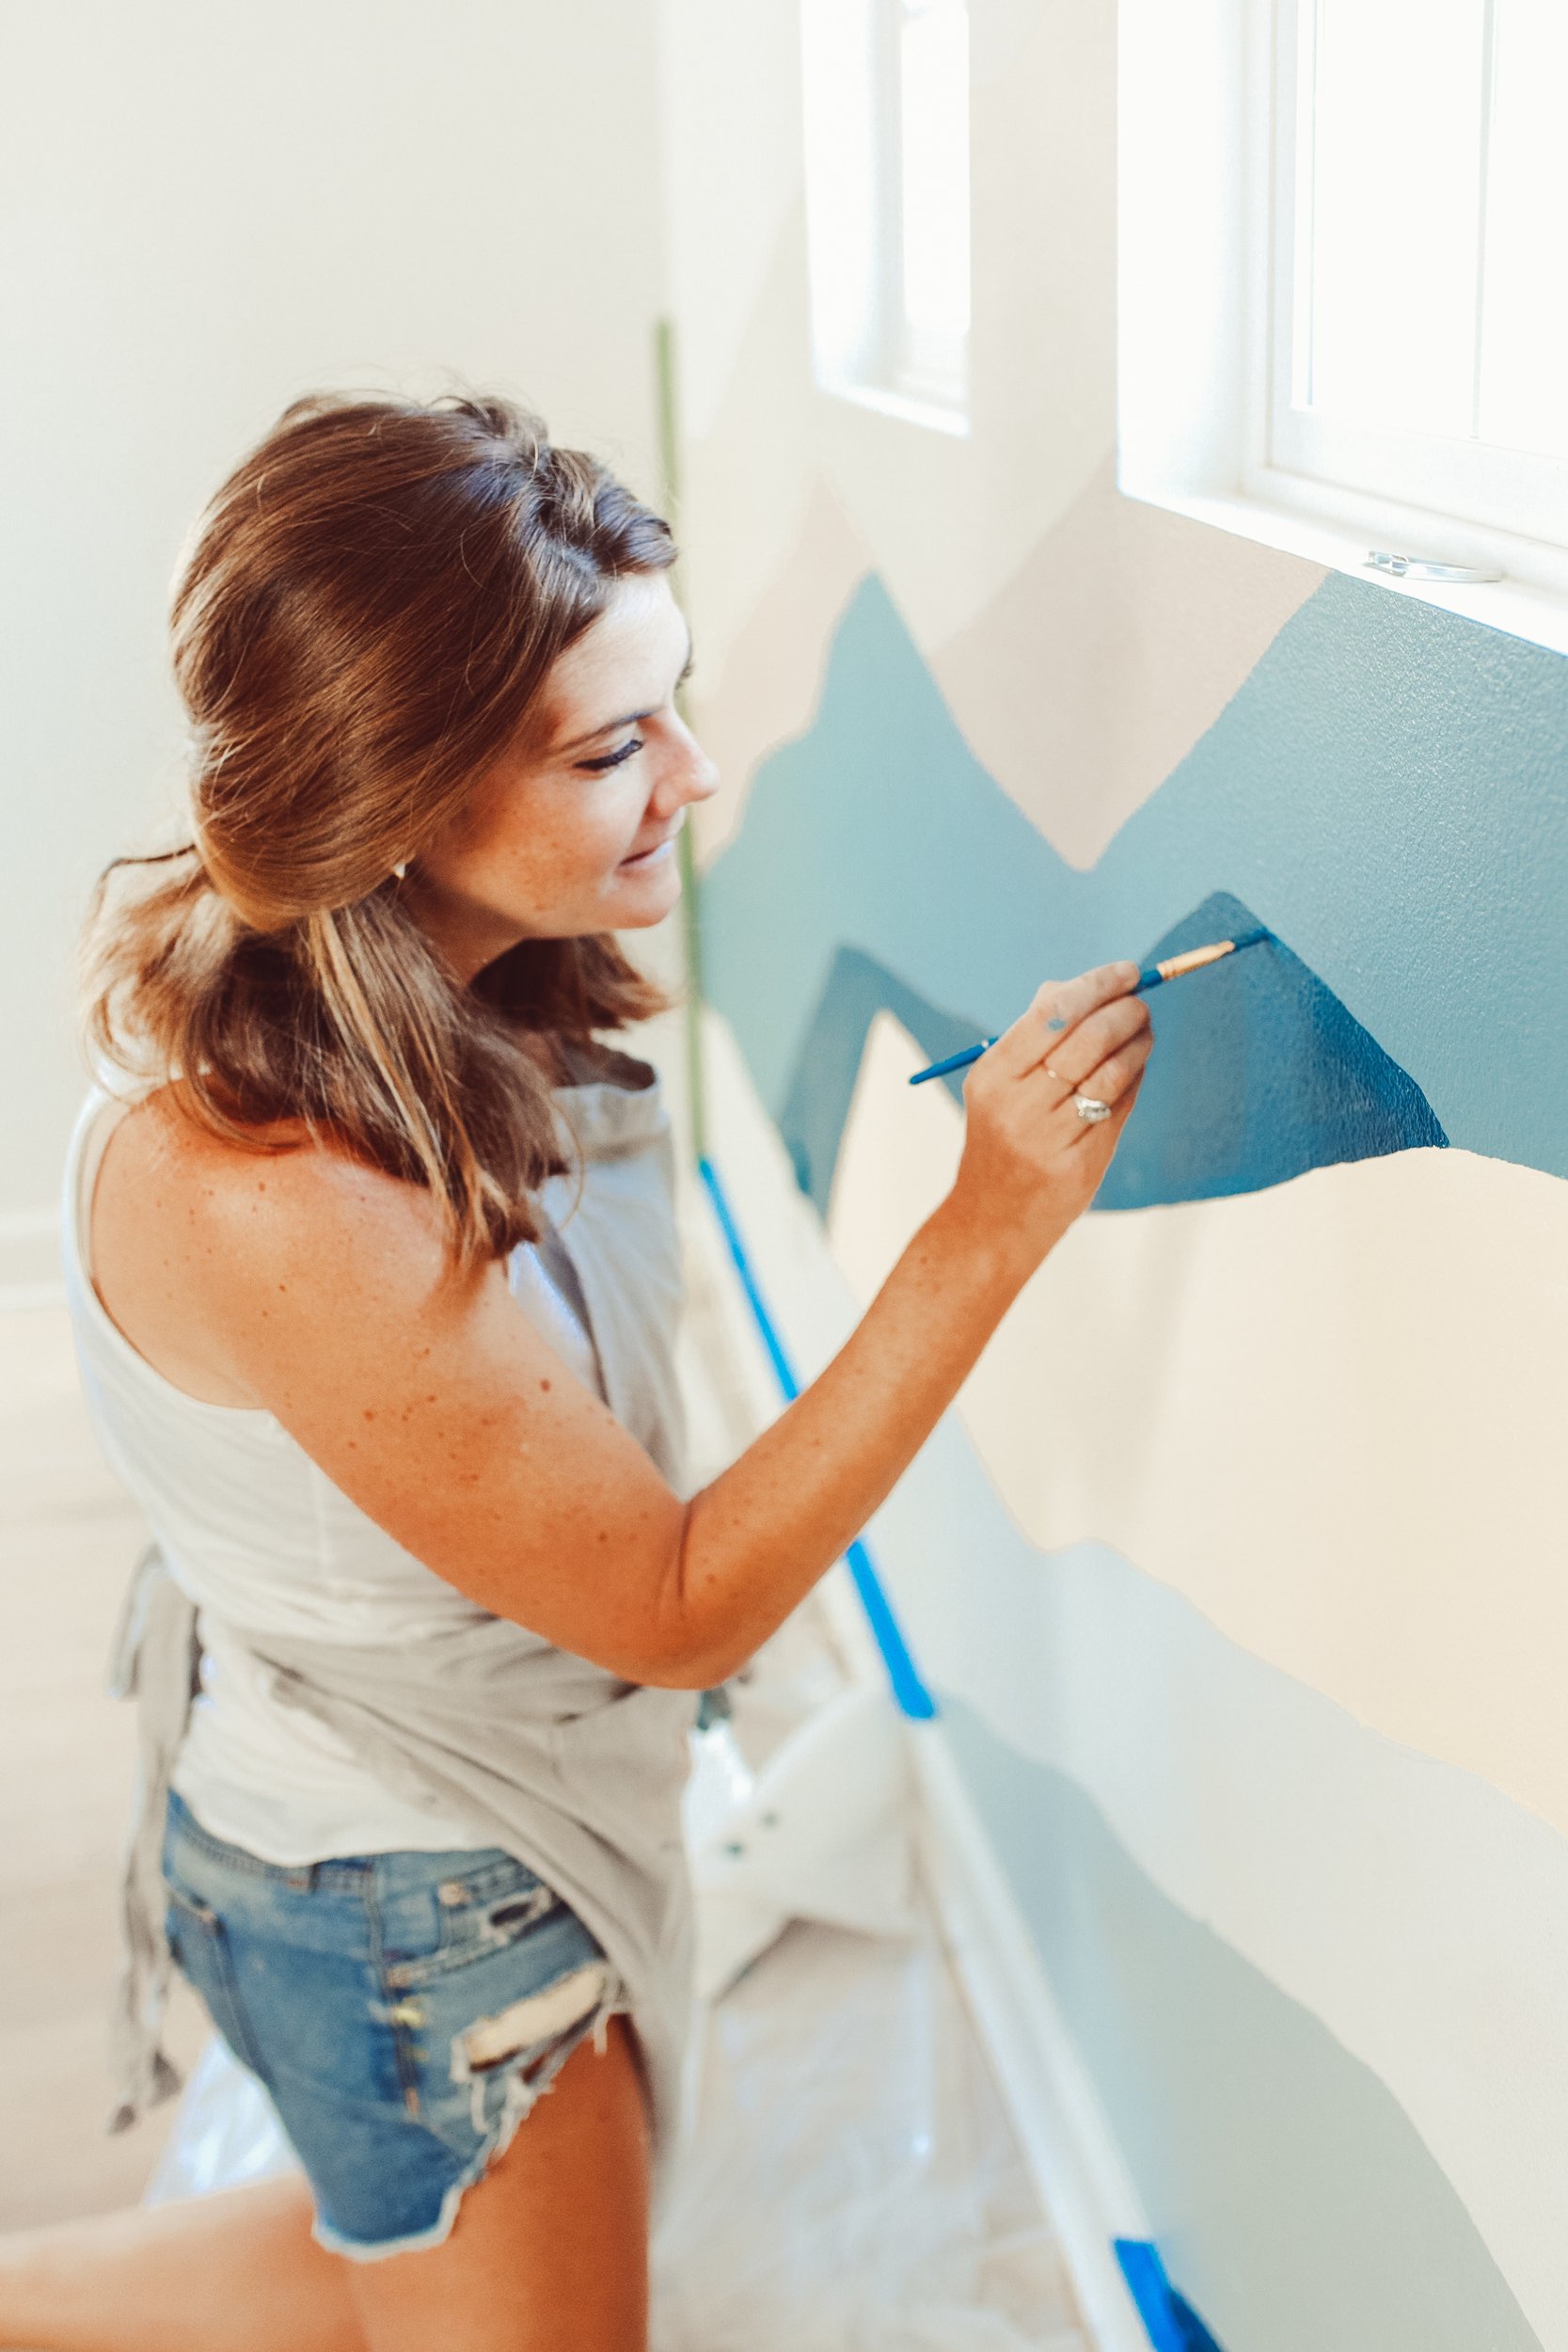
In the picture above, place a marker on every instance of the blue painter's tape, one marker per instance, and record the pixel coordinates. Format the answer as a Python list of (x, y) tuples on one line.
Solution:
[(1195, 2334), (908, 1689), (783, 1368), (1172, 2324), (1150, 2288)]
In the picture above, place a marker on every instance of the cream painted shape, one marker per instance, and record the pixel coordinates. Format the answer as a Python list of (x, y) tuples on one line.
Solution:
[(1328, 1414), (1117, 644)]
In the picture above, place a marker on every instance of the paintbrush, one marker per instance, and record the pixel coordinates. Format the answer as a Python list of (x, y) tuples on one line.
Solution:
[(1152, 975)]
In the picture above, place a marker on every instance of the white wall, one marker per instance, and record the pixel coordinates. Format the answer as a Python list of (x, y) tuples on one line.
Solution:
[(208, 210)]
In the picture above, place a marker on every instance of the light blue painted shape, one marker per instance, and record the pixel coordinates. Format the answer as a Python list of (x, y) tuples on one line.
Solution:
[(1387, 793), (908, 1689), (1290, 2189)]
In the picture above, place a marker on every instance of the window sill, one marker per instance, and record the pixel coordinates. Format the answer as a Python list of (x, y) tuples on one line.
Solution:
[(1534, 606), (934, 415)]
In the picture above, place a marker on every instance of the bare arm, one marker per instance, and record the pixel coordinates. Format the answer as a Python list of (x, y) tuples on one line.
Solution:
[(759, 1536), (321, 1290)]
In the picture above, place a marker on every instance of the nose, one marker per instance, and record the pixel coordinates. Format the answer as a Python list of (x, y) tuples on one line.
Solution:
[(685, 774)]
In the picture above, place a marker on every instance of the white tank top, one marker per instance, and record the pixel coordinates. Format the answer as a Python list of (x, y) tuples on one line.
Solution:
[(254, 1532)]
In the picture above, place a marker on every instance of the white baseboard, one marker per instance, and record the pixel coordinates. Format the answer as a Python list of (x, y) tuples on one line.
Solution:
[(1067, 2143), (1077, 2167), (30, 1259)]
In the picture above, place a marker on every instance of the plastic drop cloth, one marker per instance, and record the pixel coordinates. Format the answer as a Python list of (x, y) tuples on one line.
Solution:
[(848, 2179), (848, 2183)]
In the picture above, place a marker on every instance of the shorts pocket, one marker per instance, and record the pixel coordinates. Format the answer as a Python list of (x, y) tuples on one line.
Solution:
[(480, 1914), (199, 1943)]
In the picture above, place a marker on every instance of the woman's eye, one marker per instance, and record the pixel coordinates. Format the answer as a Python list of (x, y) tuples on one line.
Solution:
[(612, 759)]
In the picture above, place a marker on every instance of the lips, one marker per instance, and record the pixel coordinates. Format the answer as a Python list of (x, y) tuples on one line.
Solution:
[(647, 857)]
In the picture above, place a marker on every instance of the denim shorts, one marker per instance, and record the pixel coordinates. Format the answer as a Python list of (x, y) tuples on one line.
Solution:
[(403, 2010)]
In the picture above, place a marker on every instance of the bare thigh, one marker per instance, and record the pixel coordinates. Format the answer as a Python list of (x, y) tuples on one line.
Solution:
[(550, 2247)]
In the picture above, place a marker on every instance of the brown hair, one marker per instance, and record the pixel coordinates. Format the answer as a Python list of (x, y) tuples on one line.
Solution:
[(367, 612)]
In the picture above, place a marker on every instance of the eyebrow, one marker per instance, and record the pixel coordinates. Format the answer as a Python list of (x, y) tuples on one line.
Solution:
[(632, 719)]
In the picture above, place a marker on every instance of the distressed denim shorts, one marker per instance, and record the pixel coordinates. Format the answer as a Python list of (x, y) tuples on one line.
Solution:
[(405, 2011)]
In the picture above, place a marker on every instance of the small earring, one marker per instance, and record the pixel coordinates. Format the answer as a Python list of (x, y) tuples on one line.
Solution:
[(400, 871)]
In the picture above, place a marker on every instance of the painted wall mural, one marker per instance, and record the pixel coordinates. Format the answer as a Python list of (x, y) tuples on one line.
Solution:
[(1239, 1569), (1385, 793), (1262, 1074)]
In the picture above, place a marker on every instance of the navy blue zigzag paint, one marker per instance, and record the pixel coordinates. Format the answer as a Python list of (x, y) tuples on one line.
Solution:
[(1260, 1073)]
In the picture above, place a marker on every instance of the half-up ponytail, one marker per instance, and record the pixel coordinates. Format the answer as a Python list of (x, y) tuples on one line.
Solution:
[(368, 611)]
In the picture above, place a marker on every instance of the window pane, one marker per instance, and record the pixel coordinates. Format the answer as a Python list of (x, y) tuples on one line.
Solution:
[(934, 165), (1394, 155), (1524, 385)]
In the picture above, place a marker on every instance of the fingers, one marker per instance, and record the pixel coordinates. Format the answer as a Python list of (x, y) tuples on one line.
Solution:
[(1060, 1008), (1118, 1075), (1105, 1032)]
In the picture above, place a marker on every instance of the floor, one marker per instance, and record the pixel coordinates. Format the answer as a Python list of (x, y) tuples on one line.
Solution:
[(896, 2186), (68, 1538), (852, 2182)]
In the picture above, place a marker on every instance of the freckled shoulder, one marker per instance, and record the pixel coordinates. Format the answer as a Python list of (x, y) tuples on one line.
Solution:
[(290, 1207)]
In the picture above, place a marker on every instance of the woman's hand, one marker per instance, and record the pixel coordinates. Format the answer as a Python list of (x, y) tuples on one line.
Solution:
[(1030, 1164)]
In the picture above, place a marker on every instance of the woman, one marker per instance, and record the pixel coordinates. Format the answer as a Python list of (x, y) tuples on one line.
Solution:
[(373, 1272)]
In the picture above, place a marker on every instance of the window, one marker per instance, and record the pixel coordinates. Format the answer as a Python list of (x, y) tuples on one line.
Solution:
[(1420, 316), (1344, 243), (887, 187)]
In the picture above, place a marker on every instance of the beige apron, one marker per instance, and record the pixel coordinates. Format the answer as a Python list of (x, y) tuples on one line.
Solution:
[(575, 1772)]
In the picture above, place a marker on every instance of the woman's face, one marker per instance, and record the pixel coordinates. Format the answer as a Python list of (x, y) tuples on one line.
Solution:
[(574, 830)]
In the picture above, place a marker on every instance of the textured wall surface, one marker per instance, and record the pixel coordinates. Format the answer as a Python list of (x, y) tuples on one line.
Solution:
[(1239, 1569)]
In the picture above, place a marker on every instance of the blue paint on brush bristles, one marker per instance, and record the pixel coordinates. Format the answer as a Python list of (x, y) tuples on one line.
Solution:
[(1150, 976)]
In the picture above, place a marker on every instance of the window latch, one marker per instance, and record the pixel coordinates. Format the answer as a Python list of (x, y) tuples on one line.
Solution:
[(1421, 567)]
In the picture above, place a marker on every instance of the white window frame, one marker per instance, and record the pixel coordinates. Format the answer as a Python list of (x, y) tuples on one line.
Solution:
[(863, 347), (1210, 110)]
